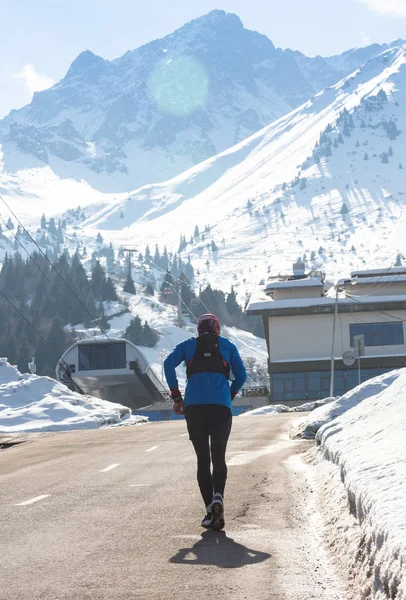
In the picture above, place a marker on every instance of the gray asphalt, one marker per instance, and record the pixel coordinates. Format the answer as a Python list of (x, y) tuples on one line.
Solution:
[(134, 531)]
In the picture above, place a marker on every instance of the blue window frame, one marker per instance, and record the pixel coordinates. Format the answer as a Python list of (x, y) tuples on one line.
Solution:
[(315, 385), (379, 334), (96, 357)]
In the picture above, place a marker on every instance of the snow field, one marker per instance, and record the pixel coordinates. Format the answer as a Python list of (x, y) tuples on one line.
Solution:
[(31, 404)]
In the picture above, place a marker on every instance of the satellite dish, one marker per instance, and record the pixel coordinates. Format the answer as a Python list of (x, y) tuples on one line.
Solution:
[(349, 358)]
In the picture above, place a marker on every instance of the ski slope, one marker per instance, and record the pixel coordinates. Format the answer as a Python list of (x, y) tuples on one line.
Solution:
[(285, 220)]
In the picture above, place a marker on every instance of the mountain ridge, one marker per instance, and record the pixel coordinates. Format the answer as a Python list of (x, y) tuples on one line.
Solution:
[(110, 122)]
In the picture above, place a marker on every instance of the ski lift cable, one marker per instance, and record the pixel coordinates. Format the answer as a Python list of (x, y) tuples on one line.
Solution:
[(41, 271), (183, 302), (180, 281), (59, 275), (54, 268), (62, 362)]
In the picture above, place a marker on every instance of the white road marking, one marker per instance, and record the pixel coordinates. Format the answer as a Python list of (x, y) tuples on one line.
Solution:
[(183, 434), (110, 468), (152, 449), (33, 500)]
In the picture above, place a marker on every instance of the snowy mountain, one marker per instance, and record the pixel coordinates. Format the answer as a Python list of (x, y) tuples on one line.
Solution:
[(325, 182), (162, 108)]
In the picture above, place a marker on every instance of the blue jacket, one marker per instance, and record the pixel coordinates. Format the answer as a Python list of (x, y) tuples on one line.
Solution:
[(206, 388)]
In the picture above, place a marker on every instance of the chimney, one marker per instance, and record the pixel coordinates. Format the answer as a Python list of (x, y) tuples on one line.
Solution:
[(298, 268)]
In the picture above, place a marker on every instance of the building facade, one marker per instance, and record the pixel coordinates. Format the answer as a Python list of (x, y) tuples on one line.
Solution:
[(298, 314)]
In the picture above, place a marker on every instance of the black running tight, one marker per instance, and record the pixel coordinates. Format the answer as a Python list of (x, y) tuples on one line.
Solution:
[(209, 427)]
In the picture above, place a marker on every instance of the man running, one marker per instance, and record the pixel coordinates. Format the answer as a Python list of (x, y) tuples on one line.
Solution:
[(209, 359)]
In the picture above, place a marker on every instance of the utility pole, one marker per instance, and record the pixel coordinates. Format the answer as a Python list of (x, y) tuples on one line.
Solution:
[(162, 355), (130, 252), (332, 343), (337, 289)]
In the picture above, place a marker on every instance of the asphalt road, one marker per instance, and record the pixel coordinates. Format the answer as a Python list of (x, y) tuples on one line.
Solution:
[(115, 514)]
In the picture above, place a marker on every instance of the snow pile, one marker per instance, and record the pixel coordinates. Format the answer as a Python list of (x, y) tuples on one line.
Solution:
[(368, 445), (309, 425), (274, 409), (266, 410), (31, 403)]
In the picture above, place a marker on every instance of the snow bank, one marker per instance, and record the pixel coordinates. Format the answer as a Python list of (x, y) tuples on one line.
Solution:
[(274, 409), (309, 425), (31, 403), (368, 445)]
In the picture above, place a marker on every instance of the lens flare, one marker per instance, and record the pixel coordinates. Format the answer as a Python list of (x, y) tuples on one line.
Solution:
[(179, 85)]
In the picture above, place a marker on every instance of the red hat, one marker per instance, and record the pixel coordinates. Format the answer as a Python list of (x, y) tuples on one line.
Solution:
[(209, 323)]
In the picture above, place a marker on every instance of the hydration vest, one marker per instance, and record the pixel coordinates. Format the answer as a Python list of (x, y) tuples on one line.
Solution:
[(207, 358)]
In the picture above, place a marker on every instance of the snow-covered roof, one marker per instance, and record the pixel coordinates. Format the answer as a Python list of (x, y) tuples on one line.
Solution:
[(376, 280), (379, 272), (260, 302), (294, 283)]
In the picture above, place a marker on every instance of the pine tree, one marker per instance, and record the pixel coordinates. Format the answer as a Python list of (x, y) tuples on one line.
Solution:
[(232, 305), (399, 259), (10, 224), (148, 257), (133, 333), (384, 158), (149, 290), (213, 246), (196, 233), (129, 286), (400, 166), (52, 227), (149, 337), (366, 157), (43, 222), (109, 293), (344, 209), (57, 342), (99, 238), (390, 152), (98, 280)]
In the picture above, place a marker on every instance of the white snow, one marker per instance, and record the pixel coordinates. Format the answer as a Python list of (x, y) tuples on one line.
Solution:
[(273, 409), (367, 446), (297, 221), (309, 426), (30, 403)]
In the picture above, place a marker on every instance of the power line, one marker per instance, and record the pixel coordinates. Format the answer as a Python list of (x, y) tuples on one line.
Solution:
[(379, 312), (41, 271), (63, 364), (25, 319), (56, 270)]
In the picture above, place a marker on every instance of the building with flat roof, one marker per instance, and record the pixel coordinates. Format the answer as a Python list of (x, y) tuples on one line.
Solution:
[(298, 313)]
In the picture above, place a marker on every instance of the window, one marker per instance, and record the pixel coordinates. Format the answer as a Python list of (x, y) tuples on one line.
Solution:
[(289, 386), (379, 334), (315, 385), (95, 357)]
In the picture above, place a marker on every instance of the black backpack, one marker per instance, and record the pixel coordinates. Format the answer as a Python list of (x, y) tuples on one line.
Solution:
[(207, 358)]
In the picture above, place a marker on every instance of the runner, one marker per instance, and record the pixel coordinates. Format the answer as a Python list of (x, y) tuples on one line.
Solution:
[(209, 359)]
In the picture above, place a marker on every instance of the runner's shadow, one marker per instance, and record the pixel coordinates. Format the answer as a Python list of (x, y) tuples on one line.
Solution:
[(215, 548)]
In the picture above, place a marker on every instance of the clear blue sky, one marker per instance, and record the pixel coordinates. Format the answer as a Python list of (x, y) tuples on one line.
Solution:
[(40, 38)]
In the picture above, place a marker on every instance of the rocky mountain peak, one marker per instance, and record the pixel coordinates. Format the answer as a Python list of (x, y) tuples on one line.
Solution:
[(85, 61)]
